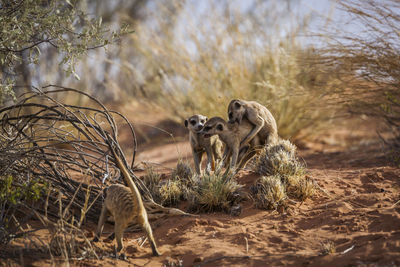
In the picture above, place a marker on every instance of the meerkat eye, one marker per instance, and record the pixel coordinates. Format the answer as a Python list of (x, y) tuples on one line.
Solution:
[(237, 105), (202, 121), (192, 122), (207, 128)]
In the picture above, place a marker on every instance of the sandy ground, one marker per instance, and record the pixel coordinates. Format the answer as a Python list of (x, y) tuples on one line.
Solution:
[(355, 211)]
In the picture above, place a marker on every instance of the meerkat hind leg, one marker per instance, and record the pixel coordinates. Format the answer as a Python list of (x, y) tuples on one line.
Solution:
[(100, 225), (245, 155)]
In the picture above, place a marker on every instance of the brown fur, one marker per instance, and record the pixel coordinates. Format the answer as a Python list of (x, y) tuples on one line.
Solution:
[(231, 134), (264, 124), (211, 146), (125, 205)]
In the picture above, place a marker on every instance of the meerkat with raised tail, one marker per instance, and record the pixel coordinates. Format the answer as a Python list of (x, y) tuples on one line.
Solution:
[(200, 145), (232, 134), (264, 124), (125, 205)]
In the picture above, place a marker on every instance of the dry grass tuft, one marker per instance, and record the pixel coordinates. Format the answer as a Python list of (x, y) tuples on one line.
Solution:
[(283, 176), (182, 171), (152, 181), (328, 248), (300, 187), (216, 191), (279, 159), (269, 192), (171, 192)]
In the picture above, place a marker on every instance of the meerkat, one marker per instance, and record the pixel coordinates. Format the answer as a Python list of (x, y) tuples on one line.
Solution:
[(231, 134), (211, 146), (125, 205), (260, 117)]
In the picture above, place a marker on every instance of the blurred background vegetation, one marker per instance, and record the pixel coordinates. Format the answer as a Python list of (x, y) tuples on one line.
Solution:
[(190, 57)]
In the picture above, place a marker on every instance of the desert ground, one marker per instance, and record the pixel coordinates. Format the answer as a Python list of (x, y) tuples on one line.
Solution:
[(327, 70), (352, 220)]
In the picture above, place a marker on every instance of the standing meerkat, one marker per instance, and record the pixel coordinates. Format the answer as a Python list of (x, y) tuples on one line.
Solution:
[(232, 134), (125, 205), (260, 117), (211, 146)]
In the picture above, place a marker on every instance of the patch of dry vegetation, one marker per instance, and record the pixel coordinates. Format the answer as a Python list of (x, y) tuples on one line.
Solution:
[(46, 146), (225, 60), (283, 176), (182, 171), (171, 192), (152, 180), (215, 191), (367, 63), (328, 248), (269, 192)]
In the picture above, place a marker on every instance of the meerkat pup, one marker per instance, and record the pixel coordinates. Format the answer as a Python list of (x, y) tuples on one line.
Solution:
[(211, 146), (232, 134), (126, 206), (260, 117)]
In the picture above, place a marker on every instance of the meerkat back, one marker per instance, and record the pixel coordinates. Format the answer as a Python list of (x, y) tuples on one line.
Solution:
[(120, 203)]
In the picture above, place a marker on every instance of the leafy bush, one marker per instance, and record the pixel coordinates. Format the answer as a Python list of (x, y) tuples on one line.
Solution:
[(13, 194), (64, 25)]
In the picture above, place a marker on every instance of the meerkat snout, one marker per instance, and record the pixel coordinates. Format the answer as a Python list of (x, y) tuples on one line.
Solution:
[(195, 123)]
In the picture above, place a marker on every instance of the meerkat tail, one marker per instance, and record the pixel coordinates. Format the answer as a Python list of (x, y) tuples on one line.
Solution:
[(142, 214)]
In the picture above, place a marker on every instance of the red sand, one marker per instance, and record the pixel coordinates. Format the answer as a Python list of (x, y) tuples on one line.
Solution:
[(357, 209)]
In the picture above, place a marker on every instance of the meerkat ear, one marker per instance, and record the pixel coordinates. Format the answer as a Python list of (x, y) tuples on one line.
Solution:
[(206, 119), (220, 127), (186, 123)]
